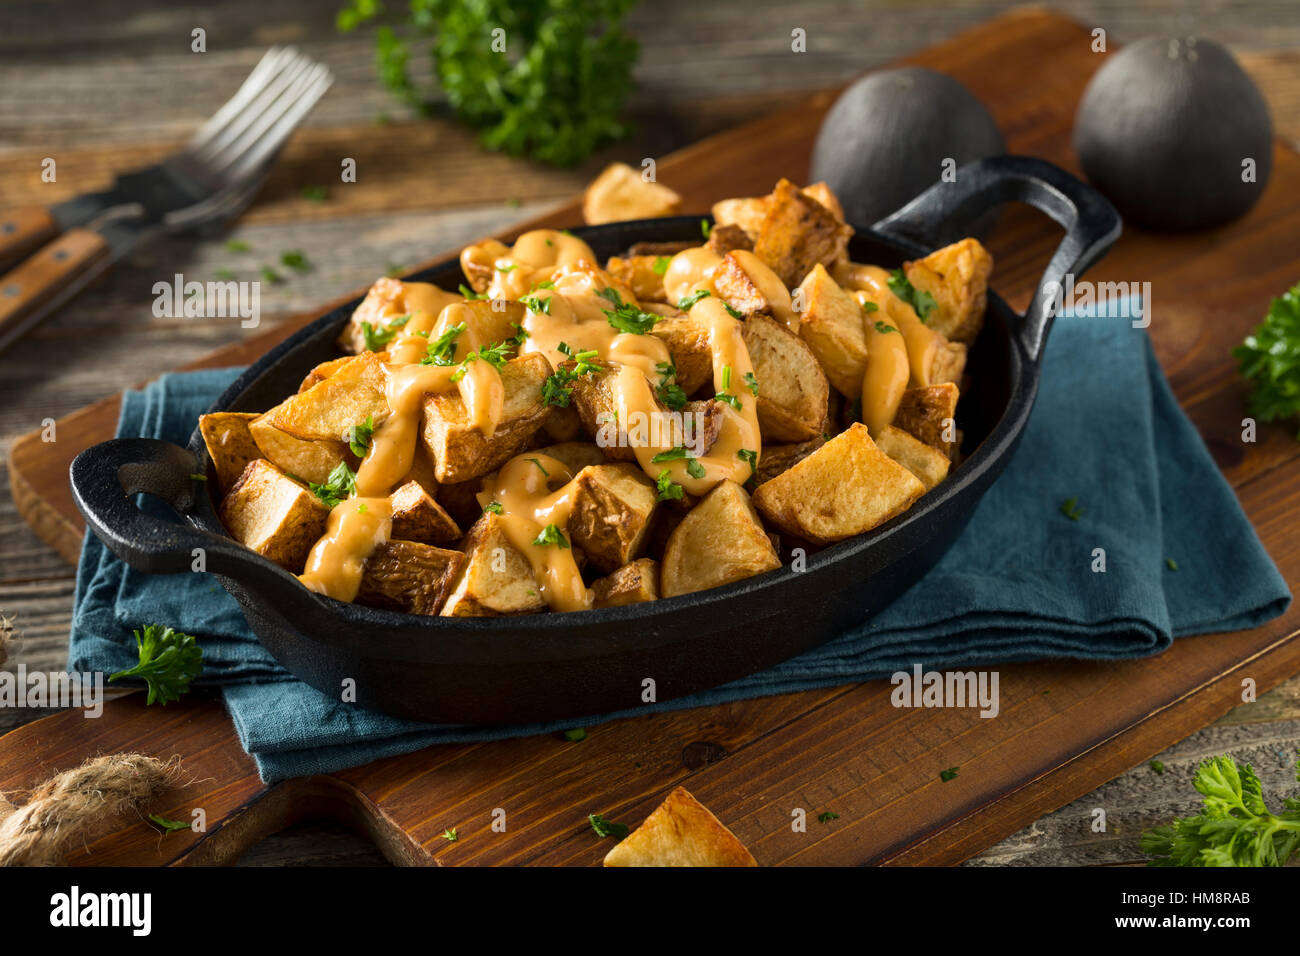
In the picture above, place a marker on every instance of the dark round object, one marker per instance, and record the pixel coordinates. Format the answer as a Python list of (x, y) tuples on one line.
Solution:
[(886, 139), (1164, 129)]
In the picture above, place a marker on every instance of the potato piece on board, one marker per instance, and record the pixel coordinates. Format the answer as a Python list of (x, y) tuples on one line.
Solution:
[(798, 232), (272, 514), (355, 392), (641, 275), (846, 487), (417, 517), (387, 301), (612, 508), (459, 450), (720, 541), (792, 388), (307, 460), (620, 193), (680, 832), (230, 444), (930, 414), (494, 579), (834, 329), (927, 463), (408, 576), (633, 583), (958, 278), (775, 459)]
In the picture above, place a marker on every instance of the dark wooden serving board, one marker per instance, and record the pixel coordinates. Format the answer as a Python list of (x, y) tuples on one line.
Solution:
[(1064, 728)]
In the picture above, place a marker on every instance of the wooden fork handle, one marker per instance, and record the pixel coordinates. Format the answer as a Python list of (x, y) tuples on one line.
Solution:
[(48, 279), (23, 230)]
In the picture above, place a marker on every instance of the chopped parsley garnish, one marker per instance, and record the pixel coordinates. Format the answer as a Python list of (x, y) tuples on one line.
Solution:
[(669, 490), (752, 382), (270, 275), (734, 313), (1157, 767), (670, 393), (442, 350), (626, 317), (705, 228), (496, 355), (469, 293), (358, 436), (494, 507), (168, 826), (751, 456), (451, 836), (826, 816), (882, 328), (1270, 358), (686, 301), (295, 260), (506, 268), (361, 508), (377, 338), (731, 400), (1071, 509), (169, 660), (315, 193), (726, 377), (535, 303), (693, 467), (661, 264), (340, 484), (540, 466), (922, 302), (576, 734), (1171, 564), (607, 828), (551, 534), (558, 387), (949, 774), (237, 245), (869, 306)]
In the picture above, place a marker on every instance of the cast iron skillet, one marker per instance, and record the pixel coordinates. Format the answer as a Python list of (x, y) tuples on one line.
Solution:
[(549, 666)]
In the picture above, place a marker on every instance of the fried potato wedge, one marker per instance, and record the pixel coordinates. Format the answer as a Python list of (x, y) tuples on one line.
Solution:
[(797, 233), (355, 392), (688, 344), (774, 459), (408, 576), (641, 274), (323, 371), (564, 424), (272, 514), (418, 517), (576, 455), (958, 278), (461, 451), (949, 364), (620, 193), (844, 488), (612, 508), (822, 193), (930, 414), (495, 320), (928, 464), (680, 832), (230, 445), (633, 583), (720, 541), (834, 328), (747, 285), (494, 579), (308, 460), (728, 237), (792, 388), (746, 214), (383, 307)]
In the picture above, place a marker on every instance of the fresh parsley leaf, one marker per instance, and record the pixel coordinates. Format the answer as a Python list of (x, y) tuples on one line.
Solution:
[(551, 534), (442, 350), (451, 836), (626, 317), (270, 275), (168, 826), (1157, 767), (734, 313), (660, 266), (752, 382), (869, 307), (686, 301), (693, 467), (511, 267), (751, 456), (882, 328), (377, 339), (1171, 564), (169, 660), (1070, 508), (494, 507), (667, 391), (535, 303), (705, 228), (921, 302), (558, 387), (668, 489), (576, 734), (1269, 358), (339, 485), (358, 436), (295, 260), (731, 400), (607, 828), (237, 245), (315, 193), (949, 774), (496, 355), (826, 816), (468, 293)]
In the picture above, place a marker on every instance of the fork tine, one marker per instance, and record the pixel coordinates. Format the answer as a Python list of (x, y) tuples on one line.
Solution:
[(273, 62), (274, 127), (235, 131)]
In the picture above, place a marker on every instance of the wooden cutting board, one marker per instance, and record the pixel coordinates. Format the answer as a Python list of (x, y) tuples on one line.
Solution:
[(1064, 728)]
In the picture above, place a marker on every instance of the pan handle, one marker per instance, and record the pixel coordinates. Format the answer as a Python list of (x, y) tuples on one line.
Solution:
[(1091, 223), (105, 480)]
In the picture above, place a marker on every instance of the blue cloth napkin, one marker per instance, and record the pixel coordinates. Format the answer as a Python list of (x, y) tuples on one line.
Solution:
[(1180, 559)]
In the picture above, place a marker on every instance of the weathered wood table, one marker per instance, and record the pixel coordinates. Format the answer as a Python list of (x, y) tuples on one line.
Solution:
[(72, 87)]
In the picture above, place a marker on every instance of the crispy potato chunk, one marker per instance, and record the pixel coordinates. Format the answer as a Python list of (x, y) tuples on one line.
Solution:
[(822, 193), (958, 278), (355, 392), (774, 459), (792, 388), (640, 275), (834, 329), (272, 514), (576, 455), (564, 424), (927, 463), (418, 517), (747, 214), (459, 450), (680, 832), (387, 300), (728, 237), (494, 579), (308, 460), (324, 370), (633, 583), (949, 364), (460, 501), (495, 320), (230, 445), (612, 508), (846, 487), (798, 232), (408, 576), (739, 289), (688, 343), (926, 413), (720, 541), (619, 193)]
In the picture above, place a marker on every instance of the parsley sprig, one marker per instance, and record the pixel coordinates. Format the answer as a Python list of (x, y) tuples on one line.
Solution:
[(626, 317), (693, 467), (377, 338), (1270, 359), (668, 391), (169, 660), (922, 302), (558, 387), (338, 486), (442, 350), (358, 436)]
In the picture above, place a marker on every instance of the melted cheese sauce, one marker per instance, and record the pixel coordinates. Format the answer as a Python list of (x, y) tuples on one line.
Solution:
[(337, 561)]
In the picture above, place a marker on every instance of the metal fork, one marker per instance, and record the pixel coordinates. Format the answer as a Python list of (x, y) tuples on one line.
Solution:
[(201, 187)]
